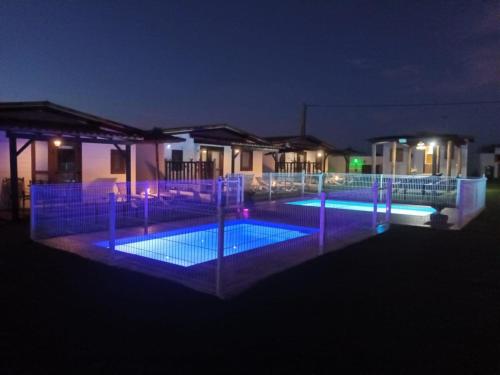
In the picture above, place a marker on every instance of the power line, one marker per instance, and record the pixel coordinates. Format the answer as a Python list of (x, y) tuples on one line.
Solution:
[(401, 105)]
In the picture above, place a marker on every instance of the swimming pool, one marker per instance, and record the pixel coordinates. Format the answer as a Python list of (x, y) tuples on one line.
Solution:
[(396, 208), (193, 245)]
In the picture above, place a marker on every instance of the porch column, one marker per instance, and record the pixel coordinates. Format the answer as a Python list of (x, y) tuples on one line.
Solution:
[(410, 148), (434, 162), (449, 145), (459, 161), (374, 158), (14, 189), (465, 160), (128, 169), (394, 153), (438, 158), (234, 155)]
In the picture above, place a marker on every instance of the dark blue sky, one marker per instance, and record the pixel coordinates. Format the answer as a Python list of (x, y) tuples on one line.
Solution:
[(251, 64)]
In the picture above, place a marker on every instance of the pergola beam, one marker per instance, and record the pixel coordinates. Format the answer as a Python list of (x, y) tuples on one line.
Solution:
[(24, 147)]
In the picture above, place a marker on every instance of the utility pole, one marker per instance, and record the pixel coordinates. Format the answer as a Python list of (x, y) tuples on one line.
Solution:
[(303, 120)]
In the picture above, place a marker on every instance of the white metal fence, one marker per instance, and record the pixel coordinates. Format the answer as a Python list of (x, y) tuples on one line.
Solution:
[(471, 199), (436, 191), (203, 234)]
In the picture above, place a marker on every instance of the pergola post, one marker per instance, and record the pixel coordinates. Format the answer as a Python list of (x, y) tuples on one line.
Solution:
[(14, 188), (438, 158), (459, 161), (434, 162), (374, 158), (449, 145), (466, 158), (128, 170), (394, 153), (410, 149), (234, 155)]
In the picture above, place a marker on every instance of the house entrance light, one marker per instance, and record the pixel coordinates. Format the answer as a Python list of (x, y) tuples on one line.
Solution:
[(57, 142), (420, 145)]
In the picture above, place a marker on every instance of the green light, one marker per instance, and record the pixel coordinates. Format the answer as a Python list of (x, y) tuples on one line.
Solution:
[(356, 163)]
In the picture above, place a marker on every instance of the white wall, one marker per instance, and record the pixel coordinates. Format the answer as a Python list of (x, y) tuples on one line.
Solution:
[(191, 152), (417, 161), (146, 161), (96, 163), (488, 160)]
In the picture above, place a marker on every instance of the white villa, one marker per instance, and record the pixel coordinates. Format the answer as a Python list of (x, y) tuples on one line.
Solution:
[(42, 142), (209, 151), (425, 153)]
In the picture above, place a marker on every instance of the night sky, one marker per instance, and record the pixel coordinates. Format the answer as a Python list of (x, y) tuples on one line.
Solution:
[(250, 64)]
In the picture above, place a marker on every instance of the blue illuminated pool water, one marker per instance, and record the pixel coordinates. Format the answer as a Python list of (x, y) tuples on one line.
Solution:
[(194, 245), (396, 208)]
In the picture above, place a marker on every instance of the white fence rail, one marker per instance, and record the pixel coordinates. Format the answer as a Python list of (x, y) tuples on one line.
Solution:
[(202, 234), (436, 191)]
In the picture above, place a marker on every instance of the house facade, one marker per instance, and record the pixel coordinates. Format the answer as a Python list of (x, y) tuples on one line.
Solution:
[(425, 153), (42, 142), (210, 151), (302, 153), (489, 160)]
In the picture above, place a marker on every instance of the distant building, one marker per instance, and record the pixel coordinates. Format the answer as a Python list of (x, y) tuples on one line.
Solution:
[(210, 151), (489, 161), (423, 153)]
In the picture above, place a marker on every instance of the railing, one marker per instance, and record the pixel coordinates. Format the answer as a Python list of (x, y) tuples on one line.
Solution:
[(200, 233), (436, 191), (189, 170), (298, 167), (75, 208)]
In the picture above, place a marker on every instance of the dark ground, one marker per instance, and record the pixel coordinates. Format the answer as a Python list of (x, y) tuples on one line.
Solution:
[(411, 301)]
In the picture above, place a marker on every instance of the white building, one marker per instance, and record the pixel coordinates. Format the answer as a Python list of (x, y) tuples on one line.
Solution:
[(426, 153), (489, 160), (210, 151), (42, 142)]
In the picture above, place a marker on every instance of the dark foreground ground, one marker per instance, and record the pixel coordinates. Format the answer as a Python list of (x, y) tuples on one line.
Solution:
[(412, 301)]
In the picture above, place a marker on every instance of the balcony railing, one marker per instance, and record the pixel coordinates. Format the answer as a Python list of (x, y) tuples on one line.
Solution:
[(189, 170)]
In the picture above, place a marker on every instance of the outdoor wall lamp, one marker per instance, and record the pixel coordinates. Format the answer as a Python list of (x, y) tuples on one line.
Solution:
[(420, 146), (57, 142)]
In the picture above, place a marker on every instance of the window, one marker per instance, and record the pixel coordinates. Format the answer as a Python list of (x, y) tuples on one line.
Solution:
[(399, 154), (118, 164), (246, 160), (177, 155)]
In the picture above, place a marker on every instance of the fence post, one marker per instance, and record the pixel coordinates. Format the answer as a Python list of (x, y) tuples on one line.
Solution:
[(238, 191), (112, 220), (322, 223), (303, 182), (388, 201), (320, 183), (381, 185), (146, 208), (270, 185), (32, 211), (375, 204), (220, 239)]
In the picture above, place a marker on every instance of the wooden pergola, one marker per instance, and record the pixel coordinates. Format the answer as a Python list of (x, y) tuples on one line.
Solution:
[(46, 121), (302, 143)]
